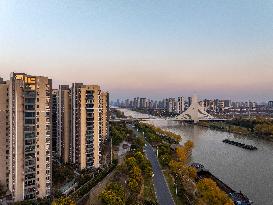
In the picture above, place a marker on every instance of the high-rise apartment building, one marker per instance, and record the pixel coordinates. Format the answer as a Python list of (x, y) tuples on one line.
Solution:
[(63, 123), (4, 132), (105, 115), (26, 128), (54, 122), (86, 125)]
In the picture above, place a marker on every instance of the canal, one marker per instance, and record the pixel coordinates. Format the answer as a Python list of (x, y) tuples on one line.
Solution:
[(245, 170)]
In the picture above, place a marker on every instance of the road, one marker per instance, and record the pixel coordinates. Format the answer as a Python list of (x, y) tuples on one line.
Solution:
[(163, 194)]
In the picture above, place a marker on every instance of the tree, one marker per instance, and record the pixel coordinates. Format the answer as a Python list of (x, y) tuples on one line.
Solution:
[(134, 185), (188, 145), (62, 173), (64, 201), (108, 197), (114, 194), (183, 153), (139, 157), (210, 193), (192, 172), (136, 174), (130, 163), (147, 170), (117, 188), (176, 167)]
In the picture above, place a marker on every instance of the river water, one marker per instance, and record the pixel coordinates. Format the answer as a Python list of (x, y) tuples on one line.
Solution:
[(248, 171)]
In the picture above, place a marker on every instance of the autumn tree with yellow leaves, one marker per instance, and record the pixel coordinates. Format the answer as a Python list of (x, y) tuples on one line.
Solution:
[(64, 201), (210, 194)]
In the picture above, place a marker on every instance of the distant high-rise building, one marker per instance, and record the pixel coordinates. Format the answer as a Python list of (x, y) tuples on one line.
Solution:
[(189, 101), (171, 105), (221, 105), (127, 103), (143, 102), (270, 104), (180, 105), (136, 103), (252, 105), (86, 125), (227, 103), (26, 100)]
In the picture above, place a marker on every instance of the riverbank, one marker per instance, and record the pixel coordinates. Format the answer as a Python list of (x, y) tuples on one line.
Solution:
[(182, 179), (250, 129), (250, 172), (259, 127)]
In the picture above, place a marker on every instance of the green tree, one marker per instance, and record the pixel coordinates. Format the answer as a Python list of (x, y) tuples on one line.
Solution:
[(136, 174), (114, 194), (109, 197), (130, 163), (134, 185)]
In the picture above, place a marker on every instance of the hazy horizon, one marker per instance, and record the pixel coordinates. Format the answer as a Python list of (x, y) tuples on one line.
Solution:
[(154, 49)]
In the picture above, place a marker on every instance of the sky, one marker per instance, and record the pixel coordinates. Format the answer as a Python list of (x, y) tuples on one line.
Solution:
[(216, 49)]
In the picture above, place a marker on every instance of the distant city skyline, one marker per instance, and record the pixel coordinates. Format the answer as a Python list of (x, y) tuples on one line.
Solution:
[(159, 49), (200, 97), (186, 99)]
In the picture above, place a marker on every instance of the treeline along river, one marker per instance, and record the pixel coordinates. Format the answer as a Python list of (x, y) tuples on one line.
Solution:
[(245, 170)]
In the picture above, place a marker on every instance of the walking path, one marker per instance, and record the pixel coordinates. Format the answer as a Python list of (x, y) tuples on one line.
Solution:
[(163, 194), (164, 197)]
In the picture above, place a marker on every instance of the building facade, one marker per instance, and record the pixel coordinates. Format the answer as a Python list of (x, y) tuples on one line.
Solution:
[(180, 105), (54, 122), (4, 133), (105, 115), (27, 118), (86, 125), (63, 123)]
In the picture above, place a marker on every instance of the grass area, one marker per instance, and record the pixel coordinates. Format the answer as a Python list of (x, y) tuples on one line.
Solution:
[(149, 192), (178, 200)]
